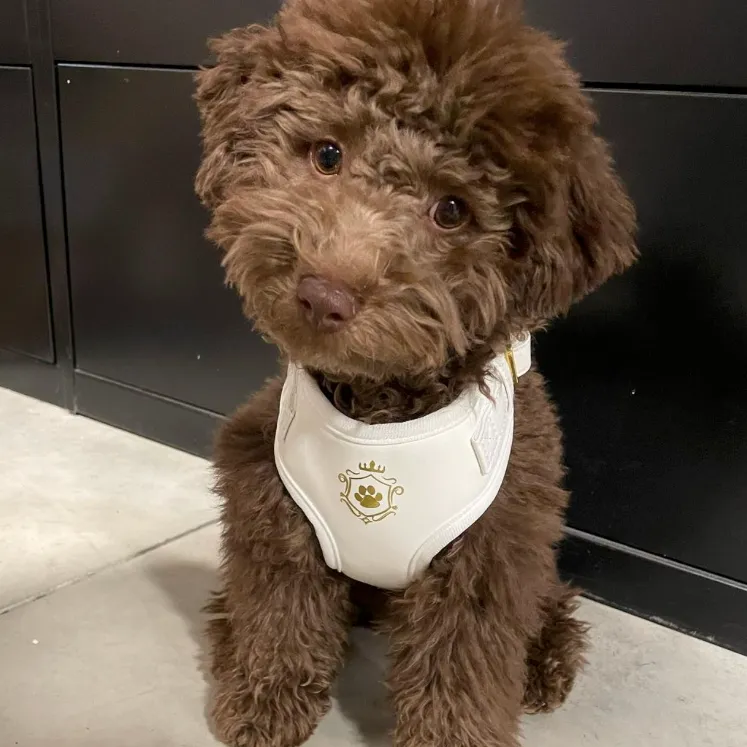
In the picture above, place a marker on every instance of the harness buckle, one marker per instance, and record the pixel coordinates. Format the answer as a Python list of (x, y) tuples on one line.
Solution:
[(511, 360)]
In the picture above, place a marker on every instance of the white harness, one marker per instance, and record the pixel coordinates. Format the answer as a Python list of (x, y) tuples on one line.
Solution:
[(384, 500)]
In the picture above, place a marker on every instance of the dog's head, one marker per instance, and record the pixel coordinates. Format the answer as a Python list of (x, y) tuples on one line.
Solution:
[(400, 184)]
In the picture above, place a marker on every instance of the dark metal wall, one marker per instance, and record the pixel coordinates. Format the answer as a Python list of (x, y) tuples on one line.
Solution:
[(659, 43), (23, 280), (112, 303), (14, 46)]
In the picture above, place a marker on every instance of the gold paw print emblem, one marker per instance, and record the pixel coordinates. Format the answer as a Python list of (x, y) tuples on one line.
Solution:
[(368, 497), (368, 494)]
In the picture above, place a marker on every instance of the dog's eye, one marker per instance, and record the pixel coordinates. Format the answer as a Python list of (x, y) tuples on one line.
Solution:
[(450, 213), (327, 157)]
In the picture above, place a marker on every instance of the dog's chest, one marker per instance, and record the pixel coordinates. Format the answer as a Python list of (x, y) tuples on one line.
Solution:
[(384, 500)]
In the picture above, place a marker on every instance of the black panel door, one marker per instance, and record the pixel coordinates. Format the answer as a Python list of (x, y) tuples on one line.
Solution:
[(13, 39), (651, 373), (24, 298), (168, 32), (149, 306), (675, 42)]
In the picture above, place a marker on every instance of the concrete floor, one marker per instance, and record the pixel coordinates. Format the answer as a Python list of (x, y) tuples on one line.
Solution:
[(108, 548)]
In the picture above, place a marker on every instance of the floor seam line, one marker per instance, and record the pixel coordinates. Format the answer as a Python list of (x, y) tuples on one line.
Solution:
[(107, 567)]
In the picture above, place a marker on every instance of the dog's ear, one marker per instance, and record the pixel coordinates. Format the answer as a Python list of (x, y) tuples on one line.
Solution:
[(240, 55), (601, 216), (577, 233)]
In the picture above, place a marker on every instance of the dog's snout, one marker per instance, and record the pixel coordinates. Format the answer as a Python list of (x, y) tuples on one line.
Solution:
[(327, 304)]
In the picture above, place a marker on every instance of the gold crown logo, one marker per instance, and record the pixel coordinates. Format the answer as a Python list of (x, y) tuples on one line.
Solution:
[(371, 467)]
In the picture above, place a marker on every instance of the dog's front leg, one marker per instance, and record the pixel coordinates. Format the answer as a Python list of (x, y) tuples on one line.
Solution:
[(280, 623), (458, 645)]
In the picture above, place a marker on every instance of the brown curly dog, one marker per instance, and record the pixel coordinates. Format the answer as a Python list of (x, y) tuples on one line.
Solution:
[(434, 163)]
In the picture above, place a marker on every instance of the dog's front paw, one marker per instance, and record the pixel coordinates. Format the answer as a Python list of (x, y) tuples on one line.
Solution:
[(548, 686), (286, 720), (239, 734), (237, 731), (554, 660)]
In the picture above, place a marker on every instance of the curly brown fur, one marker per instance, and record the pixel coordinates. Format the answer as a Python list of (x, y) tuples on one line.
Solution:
[(556, 655), (279, 627), (426, 98)]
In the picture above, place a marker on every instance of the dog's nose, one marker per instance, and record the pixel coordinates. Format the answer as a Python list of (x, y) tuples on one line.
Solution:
[(328, 305)]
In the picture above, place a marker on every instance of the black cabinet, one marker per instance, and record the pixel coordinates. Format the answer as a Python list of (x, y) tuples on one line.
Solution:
[(657, 42), (24, 297), (13, 36), (167, 32), (149, 306), (651, 373)]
